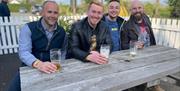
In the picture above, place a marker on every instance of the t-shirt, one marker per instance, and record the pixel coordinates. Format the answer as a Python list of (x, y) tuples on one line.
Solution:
[(115, 34)]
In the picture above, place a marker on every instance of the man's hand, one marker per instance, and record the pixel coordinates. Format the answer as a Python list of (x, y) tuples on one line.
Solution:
[(96, 57), (140, 45), (46, 67)]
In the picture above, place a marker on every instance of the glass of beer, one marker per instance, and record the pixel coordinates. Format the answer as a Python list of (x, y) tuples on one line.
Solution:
[(133, 48), (105, 50), (55, 57)]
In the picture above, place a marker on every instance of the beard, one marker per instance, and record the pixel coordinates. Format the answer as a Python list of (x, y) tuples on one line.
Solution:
[(138, 16)]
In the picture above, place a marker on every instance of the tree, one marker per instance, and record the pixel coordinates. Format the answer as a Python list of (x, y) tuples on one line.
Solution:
[(175, 4), (73, 6), (156, 9), (149, 9)]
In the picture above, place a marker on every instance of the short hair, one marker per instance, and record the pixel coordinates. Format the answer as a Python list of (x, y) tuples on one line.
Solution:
[(44, 3), (96, 2), (113, 1)]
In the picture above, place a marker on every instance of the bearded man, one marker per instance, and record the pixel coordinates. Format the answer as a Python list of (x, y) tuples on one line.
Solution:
[(137, 24)]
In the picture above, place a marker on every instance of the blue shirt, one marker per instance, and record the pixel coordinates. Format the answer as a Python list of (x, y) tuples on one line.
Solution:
[(25, 44), (115, 34)]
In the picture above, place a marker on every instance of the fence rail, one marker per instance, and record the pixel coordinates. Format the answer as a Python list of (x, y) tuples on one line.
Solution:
[(166, 31)]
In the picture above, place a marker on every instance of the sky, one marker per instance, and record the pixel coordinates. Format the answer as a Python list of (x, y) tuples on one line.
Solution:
[(68, 1)]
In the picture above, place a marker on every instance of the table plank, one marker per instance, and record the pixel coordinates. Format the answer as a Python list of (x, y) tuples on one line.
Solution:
[(122, 80)]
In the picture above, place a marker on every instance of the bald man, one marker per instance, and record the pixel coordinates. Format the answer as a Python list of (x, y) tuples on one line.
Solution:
[(138, 23), (37, 38)]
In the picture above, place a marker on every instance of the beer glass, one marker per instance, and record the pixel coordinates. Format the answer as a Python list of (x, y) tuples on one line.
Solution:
[(55, 57), (105, 50), (133, 48)]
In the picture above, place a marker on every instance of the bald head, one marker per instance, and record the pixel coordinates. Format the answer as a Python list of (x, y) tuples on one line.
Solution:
[(137, 9), (136, 6)]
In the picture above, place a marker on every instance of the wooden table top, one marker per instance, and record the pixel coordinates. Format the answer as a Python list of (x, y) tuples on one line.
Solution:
[(151, 63)]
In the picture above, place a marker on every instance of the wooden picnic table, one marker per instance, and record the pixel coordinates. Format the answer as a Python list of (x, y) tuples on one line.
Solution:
[(150, 64)]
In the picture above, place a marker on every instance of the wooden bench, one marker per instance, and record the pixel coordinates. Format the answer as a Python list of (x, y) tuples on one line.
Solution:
[(176, 77)]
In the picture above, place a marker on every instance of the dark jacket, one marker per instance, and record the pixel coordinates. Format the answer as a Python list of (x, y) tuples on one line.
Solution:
[(40, 44), (130, 31), (4, 10), (120, 21), (80, 36)]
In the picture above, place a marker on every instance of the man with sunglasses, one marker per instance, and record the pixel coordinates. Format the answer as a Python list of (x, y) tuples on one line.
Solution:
[(37, 38)]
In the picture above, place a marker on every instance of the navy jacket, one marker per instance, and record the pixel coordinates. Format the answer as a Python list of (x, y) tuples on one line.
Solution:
[(40, 44), (4, 10)]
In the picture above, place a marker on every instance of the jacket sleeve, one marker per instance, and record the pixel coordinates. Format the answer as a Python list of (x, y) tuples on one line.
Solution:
[(109, 38), (75, 44), (124, 38), (64, 48)]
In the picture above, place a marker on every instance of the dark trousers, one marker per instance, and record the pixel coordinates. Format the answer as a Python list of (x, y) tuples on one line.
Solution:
[(15, 83), (141, 87)]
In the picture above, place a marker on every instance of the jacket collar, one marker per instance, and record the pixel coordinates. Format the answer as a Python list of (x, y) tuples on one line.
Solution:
[(134, 22), (119, 20), (87, 23)]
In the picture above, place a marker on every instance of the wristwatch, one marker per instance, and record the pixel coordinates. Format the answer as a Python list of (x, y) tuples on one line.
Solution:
[(35, 63)]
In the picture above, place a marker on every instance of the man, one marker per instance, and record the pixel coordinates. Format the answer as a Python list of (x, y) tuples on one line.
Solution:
[(4, 10), (38, 37), (115, 23), (88, 34), (137, 24)]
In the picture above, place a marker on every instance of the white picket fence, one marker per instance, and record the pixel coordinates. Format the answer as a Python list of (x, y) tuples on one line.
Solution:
[(166, 31)]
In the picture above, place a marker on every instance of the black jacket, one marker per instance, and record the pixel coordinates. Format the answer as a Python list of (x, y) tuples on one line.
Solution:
[(130, 31), (4, 10), (80, 36)]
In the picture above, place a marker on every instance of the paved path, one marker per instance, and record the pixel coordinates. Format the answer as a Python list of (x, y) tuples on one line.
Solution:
[(8, 66)]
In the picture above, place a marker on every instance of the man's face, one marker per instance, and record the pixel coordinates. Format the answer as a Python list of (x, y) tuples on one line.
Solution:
[(50, 13), (137, 10), (95, 14), (113, 9)]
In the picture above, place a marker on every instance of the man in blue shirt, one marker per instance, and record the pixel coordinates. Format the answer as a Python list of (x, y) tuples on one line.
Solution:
[(115, 23), (37, 38)]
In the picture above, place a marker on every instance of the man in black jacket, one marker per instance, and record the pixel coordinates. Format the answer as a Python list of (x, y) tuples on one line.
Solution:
[(87, 30), (137, 24)]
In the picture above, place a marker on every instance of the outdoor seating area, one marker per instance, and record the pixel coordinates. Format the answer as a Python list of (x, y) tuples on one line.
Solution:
[(167, 35)]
